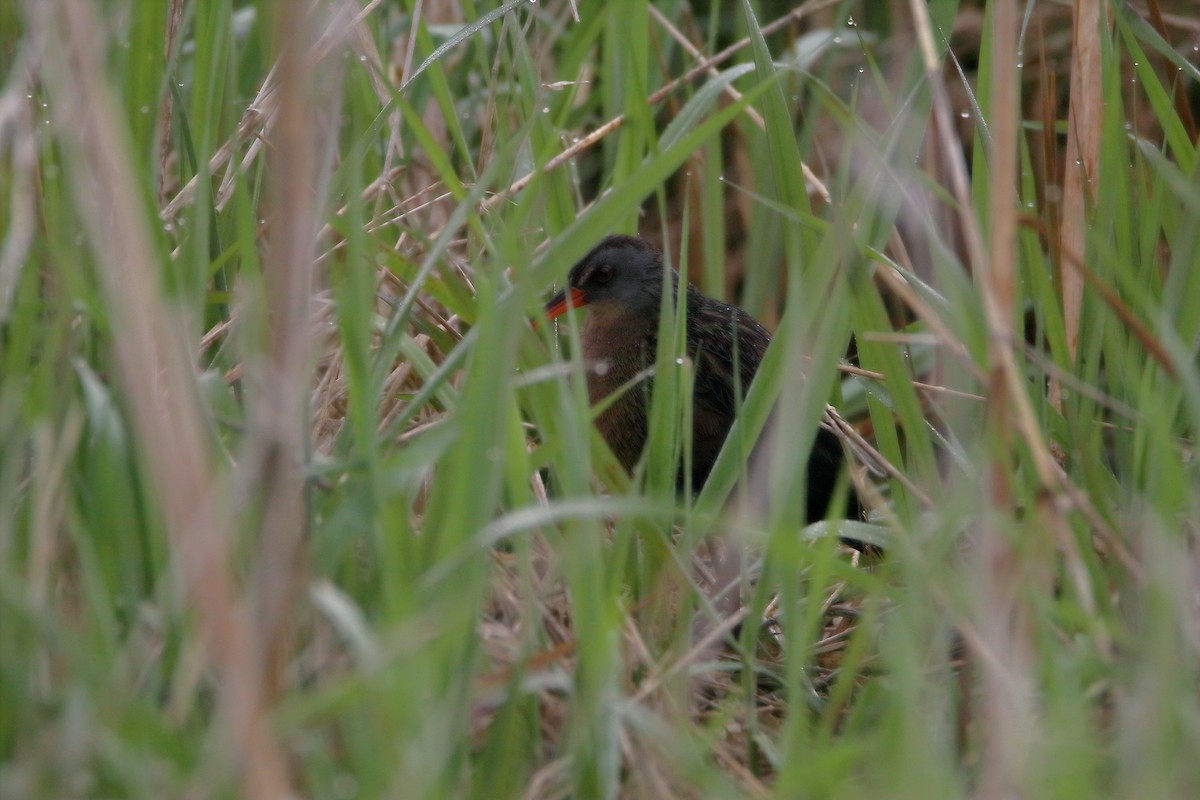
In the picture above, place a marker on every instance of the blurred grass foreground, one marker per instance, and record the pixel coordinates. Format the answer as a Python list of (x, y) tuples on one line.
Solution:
[(295, 502)]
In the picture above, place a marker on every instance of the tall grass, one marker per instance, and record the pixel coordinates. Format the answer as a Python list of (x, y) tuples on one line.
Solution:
[(294, 499)]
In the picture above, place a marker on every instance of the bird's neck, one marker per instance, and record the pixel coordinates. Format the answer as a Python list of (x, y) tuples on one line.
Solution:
[(604, 334)]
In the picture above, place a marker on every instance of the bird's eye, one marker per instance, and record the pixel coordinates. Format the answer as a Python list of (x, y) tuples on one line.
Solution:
[(603, 273)]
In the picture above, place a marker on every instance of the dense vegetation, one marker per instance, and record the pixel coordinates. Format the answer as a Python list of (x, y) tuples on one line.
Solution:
[(294, 498)]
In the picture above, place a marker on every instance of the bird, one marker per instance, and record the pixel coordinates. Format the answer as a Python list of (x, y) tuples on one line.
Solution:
[(619, 283)]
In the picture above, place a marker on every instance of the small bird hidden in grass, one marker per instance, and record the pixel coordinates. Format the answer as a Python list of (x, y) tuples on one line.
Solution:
[(620, 285)]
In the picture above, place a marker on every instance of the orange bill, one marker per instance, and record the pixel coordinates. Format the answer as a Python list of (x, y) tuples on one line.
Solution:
[(564, 301)]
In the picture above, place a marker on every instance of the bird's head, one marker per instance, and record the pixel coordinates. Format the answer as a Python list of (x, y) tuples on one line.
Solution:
[(620, 276)]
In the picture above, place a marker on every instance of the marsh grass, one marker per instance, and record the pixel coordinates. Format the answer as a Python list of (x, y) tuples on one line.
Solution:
[(294, 499)]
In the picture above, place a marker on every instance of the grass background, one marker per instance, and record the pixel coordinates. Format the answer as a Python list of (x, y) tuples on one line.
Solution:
[(294, 500)]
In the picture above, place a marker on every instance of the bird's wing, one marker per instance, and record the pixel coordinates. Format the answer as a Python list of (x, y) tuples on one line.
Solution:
[(713, 389), (727, 336)]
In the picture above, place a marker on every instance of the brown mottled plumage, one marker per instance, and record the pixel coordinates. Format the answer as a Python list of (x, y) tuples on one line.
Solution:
[(621, 282)]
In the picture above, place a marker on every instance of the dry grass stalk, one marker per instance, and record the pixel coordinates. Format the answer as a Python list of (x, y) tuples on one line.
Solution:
[(275, 449), (155, 370), (1007, 722), (1081, 158)]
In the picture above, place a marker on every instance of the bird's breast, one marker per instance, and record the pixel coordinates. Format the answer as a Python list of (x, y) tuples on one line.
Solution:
[(614, 356)]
